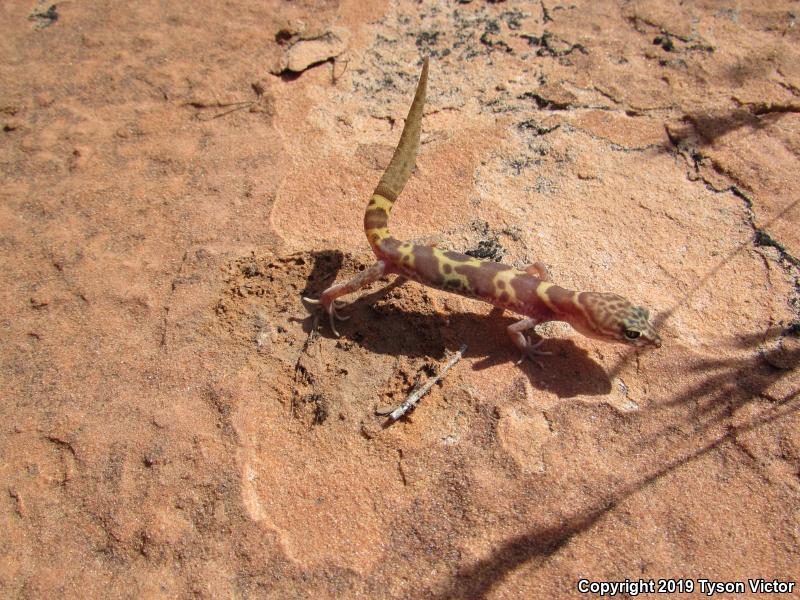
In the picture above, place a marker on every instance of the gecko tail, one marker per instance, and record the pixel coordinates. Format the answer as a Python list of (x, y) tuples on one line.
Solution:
[(376, 217)]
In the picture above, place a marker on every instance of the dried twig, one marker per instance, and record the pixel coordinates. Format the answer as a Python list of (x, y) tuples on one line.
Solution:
[(418, 393)]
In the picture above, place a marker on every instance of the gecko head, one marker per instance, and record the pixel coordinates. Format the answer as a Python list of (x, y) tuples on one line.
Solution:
[(612, 318)]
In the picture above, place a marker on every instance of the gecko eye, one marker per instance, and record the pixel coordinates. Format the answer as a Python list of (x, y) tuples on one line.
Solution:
[(632, 334)]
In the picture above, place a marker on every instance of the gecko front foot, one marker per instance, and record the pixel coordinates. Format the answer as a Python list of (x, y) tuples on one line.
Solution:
[(331, 307), (522, 341), (531, 349), (329, 301)]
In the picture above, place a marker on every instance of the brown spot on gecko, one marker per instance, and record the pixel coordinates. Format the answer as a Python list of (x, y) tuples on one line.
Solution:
[(457, 256), (524, 286), (389, 247), (481, 277), (386, 192), (375, 218), (426, 264), (447, 268)]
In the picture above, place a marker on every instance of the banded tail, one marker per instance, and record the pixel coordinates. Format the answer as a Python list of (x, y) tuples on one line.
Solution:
[(376, 217)]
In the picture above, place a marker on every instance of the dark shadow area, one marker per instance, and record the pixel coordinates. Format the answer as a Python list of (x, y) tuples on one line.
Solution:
[(289, 76), (709, 126), (713, 124), (735, 380), (325, 267), (568, 371)]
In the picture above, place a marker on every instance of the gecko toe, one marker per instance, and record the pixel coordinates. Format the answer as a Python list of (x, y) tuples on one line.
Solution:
[(532, 348), (335, 312), (331, 316), (530, 351), (528, 355)]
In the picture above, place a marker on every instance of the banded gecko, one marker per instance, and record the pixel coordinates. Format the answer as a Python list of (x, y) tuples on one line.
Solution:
[(528, 291)]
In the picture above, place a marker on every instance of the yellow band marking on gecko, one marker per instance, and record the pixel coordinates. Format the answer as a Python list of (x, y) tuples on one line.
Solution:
[(541, 292)]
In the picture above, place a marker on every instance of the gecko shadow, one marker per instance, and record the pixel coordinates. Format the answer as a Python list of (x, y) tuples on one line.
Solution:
[(325, 266), (398, 327)]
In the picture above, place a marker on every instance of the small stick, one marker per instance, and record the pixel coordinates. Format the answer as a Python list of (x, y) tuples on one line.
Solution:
[(418, 393)]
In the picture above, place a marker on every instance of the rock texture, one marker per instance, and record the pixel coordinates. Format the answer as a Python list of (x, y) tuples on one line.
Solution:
[(169, 429)]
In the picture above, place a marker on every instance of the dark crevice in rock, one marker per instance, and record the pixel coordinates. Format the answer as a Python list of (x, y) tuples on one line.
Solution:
[(532, 125), (545, 103), (666, 38), (766, 108), (550, 45), (792, 89), (697, 161), (545, 13)]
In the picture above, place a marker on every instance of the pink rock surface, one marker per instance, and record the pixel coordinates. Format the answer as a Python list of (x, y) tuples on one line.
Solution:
[(170, 429)]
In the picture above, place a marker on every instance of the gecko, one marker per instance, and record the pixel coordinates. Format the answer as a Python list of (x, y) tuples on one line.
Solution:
[(528, 291)]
